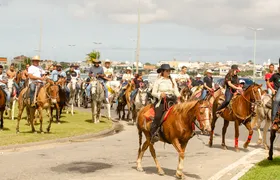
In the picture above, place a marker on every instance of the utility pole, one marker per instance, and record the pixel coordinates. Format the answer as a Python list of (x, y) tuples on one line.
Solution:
[(138, 40)]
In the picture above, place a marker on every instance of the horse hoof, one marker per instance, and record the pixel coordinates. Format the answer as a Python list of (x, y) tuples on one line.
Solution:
[(225, 147), (210, 143), (35, 132), (237, 149), (17, 132), (259, 142), (270, 158), (140, 169), (245, 145), (42, 132), (179, 176), (266, 147), (161, 172)]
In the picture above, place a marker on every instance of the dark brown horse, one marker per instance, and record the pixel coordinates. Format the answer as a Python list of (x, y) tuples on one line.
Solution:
[(177, 130), (240, 111), (2, 107), (125, 100), (61, 99)]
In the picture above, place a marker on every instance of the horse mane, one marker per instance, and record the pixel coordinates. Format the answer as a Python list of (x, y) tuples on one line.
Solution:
[(184, 108)]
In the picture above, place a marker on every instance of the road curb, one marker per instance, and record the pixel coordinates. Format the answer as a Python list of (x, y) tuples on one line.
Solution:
[(116, 127)]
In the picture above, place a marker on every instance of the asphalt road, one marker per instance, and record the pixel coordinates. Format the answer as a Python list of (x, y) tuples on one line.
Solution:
[(114, 157)]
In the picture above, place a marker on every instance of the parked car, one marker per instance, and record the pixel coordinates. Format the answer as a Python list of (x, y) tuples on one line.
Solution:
[(248, 81)]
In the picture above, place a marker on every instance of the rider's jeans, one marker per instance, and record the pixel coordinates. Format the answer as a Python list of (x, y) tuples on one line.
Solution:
[(67, 90), (228, 95), (275, 105), (203, 94), (32, 92)]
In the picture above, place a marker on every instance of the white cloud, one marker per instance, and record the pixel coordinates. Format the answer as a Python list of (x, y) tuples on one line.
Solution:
[(225, 17)]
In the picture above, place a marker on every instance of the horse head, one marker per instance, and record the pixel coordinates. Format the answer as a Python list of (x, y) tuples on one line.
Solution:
[(253, 95), (203, 114), (142, 96), (61, 83), (53, 93), (73, 82)]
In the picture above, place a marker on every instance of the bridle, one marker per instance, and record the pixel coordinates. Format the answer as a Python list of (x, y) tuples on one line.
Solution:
[(254, 102)]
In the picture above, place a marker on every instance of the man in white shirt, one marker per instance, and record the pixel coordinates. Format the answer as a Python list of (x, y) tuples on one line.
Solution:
[(3, 84), (35, 75), (183, 78), (108, 71), (77, 70)]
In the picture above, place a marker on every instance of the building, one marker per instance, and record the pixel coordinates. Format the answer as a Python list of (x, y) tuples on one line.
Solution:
[(3, 60)]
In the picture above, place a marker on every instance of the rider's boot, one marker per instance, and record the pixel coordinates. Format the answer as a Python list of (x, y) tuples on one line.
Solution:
[(154, 133)]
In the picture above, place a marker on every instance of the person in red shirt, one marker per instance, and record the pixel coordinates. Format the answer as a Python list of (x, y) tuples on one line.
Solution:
[(267, 77)]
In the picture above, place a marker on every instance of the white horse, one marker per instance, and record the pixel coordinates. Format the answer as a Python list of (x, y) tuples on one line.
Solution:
[(113, 90), (13, 98), (97, 98), (72, 87), (140, 101), (263, 113)]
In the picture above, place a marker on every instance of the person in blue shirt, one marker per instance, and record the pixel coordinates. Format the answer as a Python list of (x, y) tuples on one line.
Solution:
[(97, 71), (57, 73)]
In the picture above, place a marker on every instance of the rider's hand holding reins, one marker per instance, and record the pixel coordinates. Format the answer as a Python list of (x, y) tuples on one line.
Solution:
[(163, 95)]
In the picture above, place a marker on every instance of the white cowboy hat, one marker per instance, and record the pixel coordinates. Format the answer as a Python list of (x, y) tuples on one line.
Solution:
[(209, 71), (242, 81), (198, 75), (128, 68), (36, 58), (108, 60)]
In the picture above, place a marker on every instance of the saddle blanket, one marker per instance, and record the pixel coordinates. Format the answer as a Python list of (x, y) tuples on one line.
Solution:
[(150, 114)]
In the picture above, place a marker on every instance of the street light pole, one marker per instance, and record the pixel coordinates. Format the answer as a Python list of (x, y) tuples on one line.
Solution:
[(138, 39), (255, 47), (134, 54)]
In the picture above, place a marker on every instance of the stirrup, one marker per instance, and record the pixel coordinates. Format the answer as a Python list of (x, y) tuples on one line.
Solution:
[(155, 137)]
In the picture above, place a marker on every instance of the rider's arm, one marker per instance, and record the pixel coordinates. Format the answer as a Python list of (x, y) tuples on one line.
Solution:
[(233, 86), (155, 92), (205, 85), (269, 85)]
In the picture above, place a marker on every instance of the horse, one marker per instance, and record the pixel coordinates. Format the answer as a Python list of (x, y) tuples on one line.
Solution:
[(263, 113), (72, 88), (2, 107), (176, 130), (273, 132), (54, 87), (78, 92), (240, 111), (18, 80), (45, 98), (12, 91), (113, 90), (97, 98), (62, 96), (125, 100), (141, 100), (185, 94)]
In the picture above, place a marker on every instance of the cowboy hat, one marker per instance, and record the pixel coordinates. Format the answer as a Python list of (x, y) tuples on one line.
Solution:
[(76, 65), (72, 65), (36, 58), (235, 67), (96, 61), (58, 65), (164, 67), (128, 68), (242, 81), (198, 75), (108, 61), (209, 71)]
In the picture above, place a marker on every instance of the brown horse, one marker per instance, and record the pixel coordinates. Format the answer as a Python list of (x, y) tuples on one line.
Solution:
[(185, 94), (2, 107), (240, 111), (125, 100), (46, 97), (177, 130), (61, 99)]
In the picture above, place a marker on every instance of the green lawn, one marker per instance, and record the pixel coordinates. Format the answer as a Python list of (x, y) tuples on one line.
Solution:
[(78, 124), (264, 170)]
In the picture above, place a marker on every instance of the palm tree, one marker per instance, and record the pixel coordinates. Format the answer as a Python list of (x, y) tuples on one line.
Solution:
[(93, 55)]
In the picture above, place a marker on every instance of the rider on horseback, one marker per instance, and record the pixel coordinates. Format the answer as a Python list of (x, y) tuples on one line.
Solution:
[(165, 90), (24, 76), (183, 78), (11, 74), (69, 74), (208, 83), (138, 81), (128, 76), (3, 84), (275, 78), (57, 72), (35, 75), (97, 71), (231, 82)]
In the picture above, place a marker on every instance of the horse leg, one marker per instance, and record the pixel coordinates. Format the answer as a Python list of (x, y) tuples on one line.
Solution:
[(248, 126), (98, 111), (272, 138), (13, 109), (32, 118), (41, 119), (153, 153), (20, 111), (265, 129), (2, 120), (128, 111), (123, 116), (226, 123), (255, 123), (141, 152), (108, 106), (57, 113), (72, 109), (181, 151), (50, 123), (212, 128), (93, 111)]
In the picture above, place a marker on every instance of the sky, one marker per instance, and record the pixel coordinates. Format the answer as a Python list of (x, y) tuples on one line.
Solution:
[(204, 30)]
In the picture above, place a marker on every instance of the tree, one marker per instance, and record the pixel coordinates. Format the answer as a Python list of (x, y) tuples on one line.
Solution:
[(148, 64), (93, 55), (64, 65)]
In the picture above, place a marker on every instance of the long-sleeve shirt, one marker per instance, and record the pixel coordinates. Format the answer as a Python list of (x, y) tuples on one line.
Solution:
[(165, 85)]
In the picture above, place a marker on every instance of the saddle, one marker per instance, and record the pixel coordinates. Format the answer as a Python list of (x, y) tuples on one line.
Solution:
[(37, 89)]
